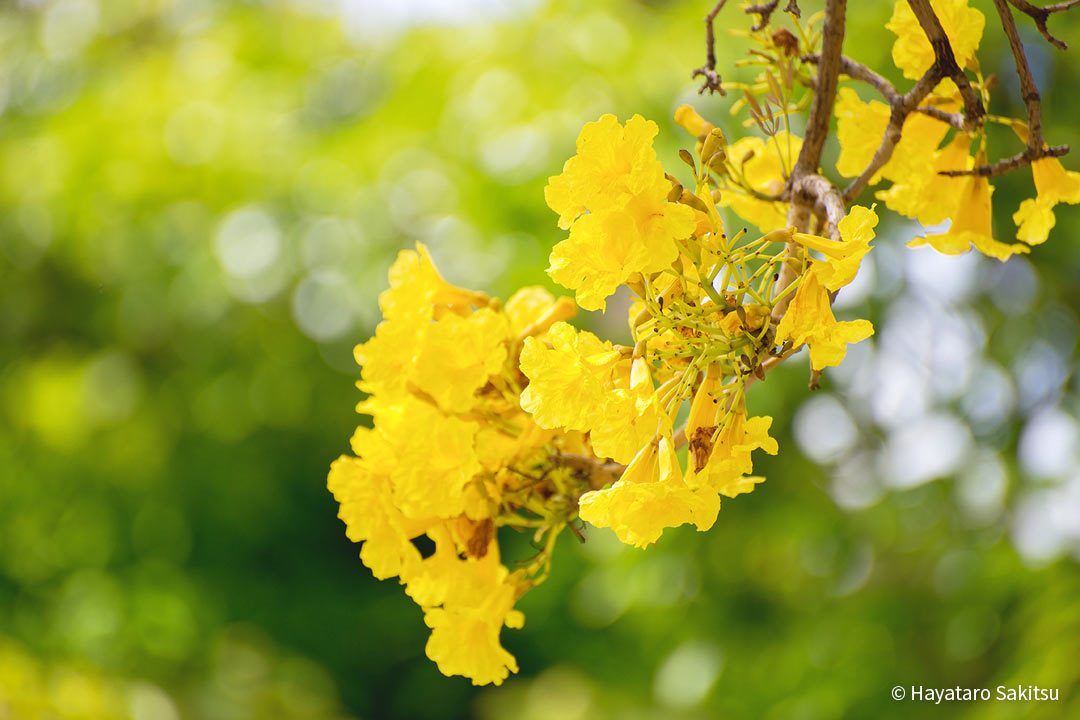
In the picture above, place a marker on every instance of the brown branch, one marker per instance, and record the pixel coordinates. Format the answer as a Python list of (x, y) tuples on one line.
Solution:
[(1028, 91), (955, 119), (946, 60), (857, 71), (821, 107), (901, 107), (764, 12), (1036, 147), (817, 130), (1009, 164), (708, 70), (1041, 14), (817, 192)]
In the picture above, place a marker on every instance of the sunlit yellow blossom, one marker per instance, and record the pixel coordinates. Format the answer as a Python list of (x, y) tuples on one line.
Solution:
[(458, 354), (612, 196), (431, 337), (613, 164), (929, 196), (645, 502), (531, 307), (912, 52), (842, 258), (730, 456), (568, 382), (476, 602), (431, 455), (810, 320), (417, 287), (971, 225), (1054, 184), (606, 247), (860, 128), (371, 517), (631, 414), (765, 167)]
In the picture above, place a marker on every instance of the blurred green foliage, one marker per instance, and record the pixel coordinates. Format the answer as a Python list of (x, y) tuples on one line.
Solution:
[(198, 204)]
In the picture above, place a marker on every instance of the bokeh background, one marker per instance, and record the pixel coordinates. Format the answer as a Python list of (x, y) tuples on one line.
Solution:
[(198, 204)]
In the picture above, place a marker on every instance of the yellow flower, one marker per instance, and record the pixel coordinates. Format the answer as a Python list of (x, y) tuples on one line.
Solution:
[(730, 456), (860, 127), (613, 164), (1054, 184), (927, 195), (569, 381), (430, 337), (466, 603), (971, 225), (532, 310), (416, 287), (612, 196), (371, 517), (430, 456), (843, 258), (810, 320), (607, 247), (640, 506), (458, 355), (765, 165), (912, 52), (631, 413)]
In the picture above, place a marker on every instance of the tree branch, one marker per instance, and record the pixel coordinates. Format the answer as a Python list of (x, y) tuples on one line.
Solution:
[(821, 107), (1041, 14), (1028, 91), (901, 107), (708, 70), (817, 130), (1009, 164), (946, 60), (857, 71), (1036, 147), (817, 192)]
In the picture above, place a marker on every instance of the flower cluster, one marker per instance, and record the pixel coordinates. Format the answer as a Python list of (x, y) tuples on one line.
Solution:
[(487, 416), (701, 320), (443, 386), (919, 190)]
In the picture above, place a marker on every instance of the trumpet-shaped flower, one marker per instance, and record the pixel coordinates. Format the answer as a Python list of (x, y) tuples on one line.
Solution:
[(612, 196), (370, 517), (842, 259), (466, 603), (430, 456), (569, 381), (730, 456), (650, 497), (931, 197), (810, 320), (607, 247), (971, 225), (1053, 184), (860, 127)]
